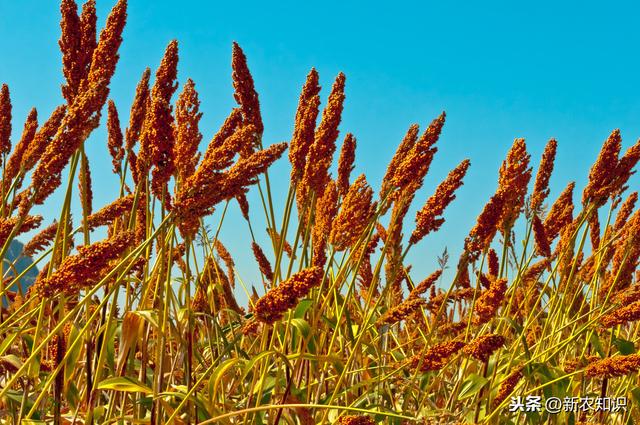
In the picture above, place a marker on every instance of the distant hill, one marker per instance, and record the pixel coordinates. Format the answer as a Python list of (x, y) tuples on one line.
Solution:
[(13, 253)]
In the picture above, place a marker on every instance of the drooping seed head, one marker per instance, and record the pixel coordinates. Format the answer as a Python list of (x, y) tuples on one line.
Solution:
[(429, 217)]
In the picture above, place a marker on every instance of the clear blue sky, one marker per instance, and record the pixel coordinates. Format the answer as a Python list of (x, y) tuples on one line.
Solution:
[(499, 69)]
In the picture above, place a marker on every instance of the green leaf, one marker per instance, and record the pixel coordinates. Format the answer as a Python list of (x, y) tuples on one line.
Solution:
[(123, 383), (472, 385), (72, 355), (302, 308), (12, 360), (302, 326), (595, 340), (72, 394), (6, 342), (17, 396), (624, 347), (249, 366), (150, 316), (219, 371)]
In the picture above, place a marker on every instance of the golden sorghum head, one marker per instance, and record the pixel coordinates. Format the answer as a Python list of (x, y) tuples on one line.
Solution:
[(436, 356), (627, 313), (202, 191), (486, 227), (83, 269), (624, 170), (56, 350), (485, 280), (626, 254), (540, 237), (345, 163), (305, 125), (250, 327), (628, 296), (396, 273), (157, 139), (70, 40), (507, 386), (230, 139), (272, 306), (403, 150), (105, 55), (320, 155), (489, 302), (354, 216), (43, 137), (533, 335), (15, 160), (365, 271), (603, 171), (356, 420), (451, 329), (560, 214), (429, 219), (533, 272), (83, 114), (84, 184), (138, 111), (88, 42), (212, 274), (7, 224), (414, 166), (571, 365), (114, 136), (613, 366), (326, 210), (245, 92), (226, 258), (109, 213), (401, 311), (177, 256), (436, 300), (77, 43), (200, 301), (541, 185), (493, 263), (393, 241), (187, 133), (381, 232), (594, 231), (625, 211), (42, 239), (263, 262), (243, 204), (5, 120), (424, 286), (565, 248), (515, 174), (483, 346)]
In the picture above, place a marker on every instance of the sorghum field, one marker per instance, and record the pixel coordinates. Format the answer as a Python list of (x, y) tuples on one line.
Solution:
[(144, 325)]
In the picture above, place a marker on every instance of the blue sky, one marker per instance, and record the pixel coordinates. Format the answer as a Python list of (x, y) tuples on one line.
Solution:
[(499, 69)]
